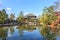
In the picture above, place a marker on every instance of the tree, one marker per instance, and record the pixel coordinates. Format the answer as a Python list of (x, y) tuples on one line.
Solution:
[(12, 16), (20, 17), (3, 16), (48, 15)]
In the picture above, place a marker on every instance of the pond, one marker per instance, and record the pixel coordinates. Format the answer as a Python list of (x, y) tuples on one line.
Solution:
[(23, 32)]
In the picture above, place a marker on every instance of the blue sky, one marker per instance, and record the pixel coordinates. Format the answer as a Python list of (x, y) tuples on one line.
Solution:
[(28, 6)]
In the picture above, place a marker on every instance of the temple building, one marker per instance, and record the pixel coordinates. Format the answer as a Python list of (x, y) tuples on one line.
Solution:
[(31, 19)]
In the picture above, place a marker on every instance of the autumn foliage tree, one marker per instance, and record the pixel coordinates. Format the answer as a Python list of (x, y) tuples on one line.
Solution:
[(46, 19), (48, 16)]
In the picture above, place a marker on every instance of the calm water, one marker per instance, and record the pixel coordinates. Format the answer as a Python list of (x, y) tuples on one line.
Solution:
[(22, 33)]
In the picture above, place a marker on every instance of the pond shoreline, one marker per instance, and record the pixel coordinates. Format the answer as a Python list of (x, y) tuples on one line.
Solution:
[(11, 24), (7, 25), (14, 24)]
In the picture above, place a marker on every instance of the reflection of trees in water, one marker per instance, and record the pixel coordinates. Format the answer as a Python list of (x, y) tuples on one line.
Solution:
[(47, 33), (11, 29), (20, 30), (3, 33), (25, 27)]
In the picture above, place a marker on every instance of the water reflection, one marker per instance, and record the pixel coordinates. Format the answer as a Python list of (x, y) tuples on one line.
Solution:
[(3, 33), (21, 28), (45, 31)]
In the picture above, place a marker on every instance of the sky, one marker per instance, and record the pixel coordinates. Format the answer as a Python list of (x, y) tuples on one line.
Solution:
[(27, 6)]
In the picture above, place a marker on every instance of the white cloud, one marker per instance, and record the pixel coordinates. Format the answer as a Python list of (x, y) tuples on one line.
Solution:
[(8, 9)]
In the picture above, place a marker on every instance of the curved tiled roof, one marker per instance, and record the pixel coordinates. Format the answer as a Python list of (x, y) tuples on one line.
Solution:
[(28, 15)]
